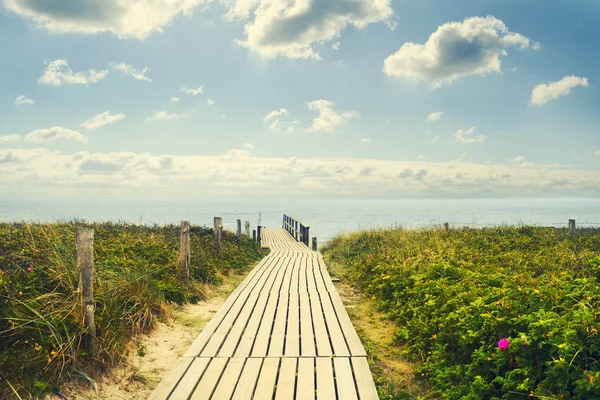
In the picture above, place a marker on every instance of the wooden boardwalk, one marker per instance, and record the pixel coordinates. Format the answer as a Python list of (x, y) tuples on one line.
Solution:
[(282, 334)]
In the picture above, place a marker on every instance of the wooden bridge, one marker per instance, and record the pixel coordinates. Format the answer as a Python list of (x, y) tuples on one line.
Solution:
[(282, 334)]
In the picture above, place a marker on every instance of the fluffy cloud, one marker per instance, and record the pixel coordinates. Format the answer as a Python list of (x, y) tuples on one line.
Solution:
[(130, 70), (58, 73), (54, 133), (468, 136), (517, 159), (296, 29), (126, 19), (174, 100), (471, 47), (143, 175), (102, 119), (435, 116), (365, 140), (328, 119), (165, 116), (10, 138), (274, 114), (22, 99), (545, 92), (193, 92)]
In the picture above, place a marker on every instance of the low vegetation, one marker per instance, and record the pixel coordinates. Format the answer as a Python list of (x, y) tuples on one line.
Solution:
[(494, 313), (136, 277)]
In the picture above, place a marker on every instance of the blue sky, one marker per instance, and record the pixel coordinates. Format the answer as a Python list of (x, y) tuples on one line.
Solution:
[(335, 98)]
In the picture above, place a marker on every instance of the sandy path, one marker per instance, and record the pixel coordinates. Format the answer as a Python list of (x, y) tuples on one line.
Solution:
[(150, 356)]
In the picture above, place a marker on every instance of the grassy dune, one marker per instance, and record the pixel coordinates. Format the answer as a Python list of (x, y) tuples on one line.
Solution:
[(455, 295), (136, 277)]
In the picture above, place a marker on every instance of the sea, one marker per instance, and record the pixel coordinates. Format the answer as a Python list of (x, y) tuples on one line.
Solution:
[(326, 217)]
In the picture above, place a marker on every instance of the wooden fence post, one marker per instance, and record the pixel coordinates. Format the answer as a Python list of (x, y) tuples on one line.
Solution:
[(184, 250), (314, 244), (254, 235), (446, 227), (306, 236), (84, 243), (218, 232), (258, 235), (572, 227), (238, 232), (247, 224)]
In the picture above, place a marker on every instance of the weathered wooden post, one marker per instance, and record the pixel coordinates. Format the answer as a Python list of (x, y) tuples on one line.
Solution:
[(184, 250), (258, 234), (572, 227), (247, 225), (218, 232), (238, 232), (84, 243), (254, 235), (306, 236), (296, 230), (314, 244), (446, 227)]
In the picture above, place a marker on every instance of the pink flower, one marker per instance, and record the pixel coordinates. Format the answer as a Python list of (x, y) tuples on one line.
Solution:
[(408, 259), (503, 344), (30, 268)]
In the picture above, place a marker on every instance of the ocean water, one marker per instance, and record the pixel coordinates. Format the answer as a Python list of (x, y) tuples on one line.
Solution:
[(326, 217)]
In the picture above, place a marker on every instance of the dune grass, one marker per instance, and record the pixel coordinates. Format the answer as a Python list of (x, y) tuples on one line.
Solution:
[(136, 277), (454, 295)]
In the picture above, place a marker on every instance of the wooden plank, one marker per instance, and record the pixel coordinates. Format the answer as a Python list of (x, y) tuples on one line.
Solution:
[(266, 381), (354, 345), (321, 334), (292, 337), (229, 380), (250, 333), (294, 277), (333, 327), (325, 382), (344, 381), (166, 386), (278, 333), (248, 380), (364, 379), (306, 379), (311, 282), (286, 382), (202, 339), (189, 381), (319, 281), (235, 333), (261, 343), (302, 285), (307, 337), (210, 379)]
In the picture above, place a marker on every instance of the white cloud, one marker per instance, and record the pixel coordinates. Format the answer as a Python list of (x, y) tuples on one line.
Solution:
[(165, 116), (279, 126), (10, 138), (193, 92), (130, 70), (298, 29), (273, 114), (421, 157), (456, 49), (102, 119), (210, 103), (435, 116), (58, 73), (365, 140), (517, 159), (125, 19), (328, 119), (545, 92), (174, 99), (468, 136), (22, 99), (42, 172), (248, 146), (54, 133)]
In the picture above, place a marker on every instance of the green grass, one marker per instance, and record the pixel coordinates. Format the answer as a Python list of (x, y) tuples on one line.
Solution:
[(136, 277), (453, 295)]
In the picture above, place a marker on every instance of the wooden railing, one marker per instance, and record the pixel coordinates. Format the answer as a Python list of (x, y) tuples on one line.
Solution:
[(297, 229)]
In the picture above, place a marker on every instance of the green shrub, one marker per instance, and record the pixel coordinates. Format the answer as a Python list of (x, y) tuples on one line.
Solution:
[(455, 294), (136, 276)]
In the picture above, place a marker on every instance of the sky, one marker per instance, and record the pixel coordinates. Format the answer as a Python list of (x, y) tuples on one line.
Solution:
[(171, 99)]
